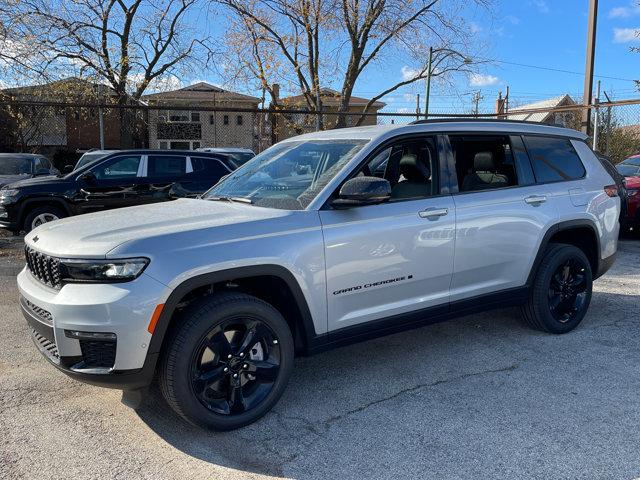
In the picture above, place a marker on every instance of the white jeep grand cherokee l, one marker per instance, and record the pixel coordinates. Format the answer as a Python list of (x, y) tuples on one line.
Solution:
[(321, 240)]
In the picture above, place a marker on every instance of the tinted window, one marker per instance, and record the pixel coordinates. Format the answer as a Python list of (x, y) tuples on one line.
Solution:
[(553, 159), (632, 161), (484, 162), (120, 167), (628, 170), (209, 168), (166, 166), (41, 163)]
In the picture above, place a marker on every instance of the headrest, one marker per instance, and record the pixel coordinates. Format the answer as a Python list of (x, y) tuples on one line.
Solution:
[(414, 169), (484, 162)]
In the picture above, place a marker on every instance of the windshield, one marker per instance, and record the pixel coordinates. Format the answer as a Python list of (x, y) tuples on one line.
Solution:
[(15, 166), (87, 158), (241, 158), (628, 170), (288, 175)]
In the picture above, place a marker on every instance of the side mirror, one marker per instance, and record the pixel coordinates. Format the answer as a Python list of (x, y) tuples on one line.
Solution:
[(41, 172), (88, 177), (67, 169), (363, 191)]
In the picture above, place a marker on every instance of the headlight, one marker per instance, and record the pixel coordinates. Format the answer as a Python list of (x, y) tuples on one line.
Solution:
[(8, 193), (102, 271)]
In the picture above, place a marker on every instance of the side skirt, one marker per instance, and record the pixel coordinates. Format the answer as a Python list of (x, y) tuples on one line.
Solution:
[(407, 321)]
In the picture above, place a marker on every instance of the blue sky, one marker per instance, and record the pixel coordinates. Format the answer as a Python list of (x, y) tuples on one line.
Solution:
[(542, 33)]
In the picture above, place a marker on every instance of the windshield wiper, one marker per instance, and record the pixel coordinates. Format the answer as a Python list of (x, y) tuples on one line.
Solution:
[(231, 199)]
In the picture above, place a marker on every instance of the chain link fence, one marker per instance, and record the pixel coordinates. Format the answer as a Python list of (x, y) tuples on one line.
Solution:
[(63, 131)]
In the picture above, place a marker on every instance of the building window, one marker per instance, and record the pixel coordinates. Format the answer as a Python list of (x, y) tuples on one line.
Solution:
[(178, 116), (211, 120), (239, 120), (162, 145), (195, 145), (225, 120), (195, 116)]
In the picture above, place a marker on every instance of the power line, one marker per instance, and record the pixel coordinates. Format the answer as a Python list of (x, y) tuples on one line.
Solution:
[(551, 69)]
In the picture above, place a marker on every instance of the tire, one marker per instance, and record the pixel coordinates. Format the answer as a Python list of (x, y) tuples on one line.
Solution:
[(192, 371), (552, 286), (43, 214)]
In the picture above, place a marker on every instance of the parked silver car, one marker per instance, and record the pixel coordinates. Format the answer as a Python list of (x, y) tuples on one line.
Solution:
[(312, 245)]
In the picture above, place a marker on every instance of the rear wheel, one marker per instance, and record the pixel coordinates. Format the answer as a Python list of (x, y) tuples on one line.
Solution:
[(228, 362), (41, 215), (561, 290)]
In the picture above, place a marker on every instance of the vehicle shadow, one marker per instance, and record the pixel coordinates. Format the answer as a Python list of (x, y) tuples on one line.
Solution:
[(342, 400), (326, 388)]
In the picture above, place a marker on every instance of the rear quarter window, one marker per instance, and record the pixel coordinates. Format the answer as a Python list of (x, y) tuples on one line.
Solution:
[(553, 159)]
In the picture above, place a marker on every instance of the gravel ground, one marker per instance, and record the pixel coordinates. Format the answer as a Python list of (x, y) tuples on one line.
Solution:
[(481, 397)]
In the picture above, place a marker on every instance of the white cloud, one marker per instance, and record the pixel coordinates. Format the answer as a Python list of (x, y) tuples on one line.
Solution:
[(475, 27), (158, 84), (512, 19), (625, 35), (481, 80), (541, 5), (409, 73), (624, 12)]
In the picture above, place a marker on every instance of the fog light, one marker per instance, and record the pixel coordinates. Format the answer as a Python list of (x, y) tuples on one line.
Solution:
[(89, 335)]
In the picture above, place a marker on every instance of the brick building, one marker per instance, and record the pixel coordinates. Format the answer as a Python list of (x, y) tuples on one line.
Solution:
[(183, 128), (30, 126), (289, 125)]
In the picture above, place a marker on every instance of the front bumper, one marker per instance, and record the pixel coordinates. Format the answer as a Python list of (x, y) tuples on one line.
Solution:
[(7, 218), (123, 310)]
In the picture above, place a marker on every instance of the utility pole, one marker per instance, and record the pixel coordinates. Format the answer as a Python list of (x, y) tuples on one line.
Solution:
[(596, 119), (608, 122), (428, 92), (418, 107), (506, 102), (101, 120), (476, 99), (588, 71)]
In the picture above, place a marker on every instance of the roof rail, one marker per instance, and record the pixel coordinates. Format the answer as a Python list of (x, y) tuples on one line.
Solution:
[(482, 120)]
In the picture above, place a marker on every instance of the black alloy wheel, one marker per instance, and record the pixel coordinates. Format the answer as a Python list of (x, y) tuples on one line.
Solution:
[(235, 366), (227, 362), (561, 290), (568, 290)]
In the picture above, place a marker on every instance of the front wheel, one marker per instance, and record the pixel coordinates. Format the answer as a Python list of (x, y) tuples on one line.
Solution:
[(561, 290), (228, 362), (41, 215)]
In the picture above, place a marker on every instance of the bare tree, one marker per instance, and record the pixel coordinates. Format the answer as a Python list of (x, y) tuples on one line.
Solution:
[(127, 44), (314, 40)]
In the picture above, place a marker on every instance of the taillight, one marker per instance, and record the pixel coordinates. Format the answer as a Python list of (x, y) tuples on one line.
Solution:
[(611, 190)]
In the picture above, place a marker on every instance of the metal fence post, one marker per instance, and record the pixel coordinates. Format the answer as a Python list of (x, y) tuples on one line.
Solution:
[(596, 119)]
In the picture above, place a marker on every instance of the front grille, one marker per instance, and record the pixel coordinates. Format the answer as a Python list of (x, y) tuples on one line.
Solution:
[(96, 354), (47, 347), (43, 267), (39, 312)]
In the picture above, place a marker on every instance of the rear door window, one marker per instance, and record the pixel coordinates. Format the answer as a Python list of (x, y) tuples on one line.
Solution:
[(210, 168), (163, 166), (553, 159)]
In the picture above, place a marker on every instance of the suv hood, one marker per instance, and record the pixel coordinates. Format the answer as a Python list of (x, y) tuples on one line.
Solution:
[(7, 179), (21, 181), (95, 235)]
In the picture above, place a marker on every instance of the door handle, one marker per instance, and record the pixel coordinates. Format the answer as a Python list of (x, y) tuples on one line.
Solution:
[(535, 199), (433, 212)]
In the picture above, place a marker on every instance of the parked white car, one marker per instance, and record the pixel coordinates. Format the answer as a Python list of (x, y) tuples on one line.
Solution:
[(310, 246)]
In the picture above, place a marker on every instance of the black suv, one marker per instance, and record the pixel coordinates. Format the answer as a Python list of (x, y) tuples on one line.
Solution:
[(122, 179)]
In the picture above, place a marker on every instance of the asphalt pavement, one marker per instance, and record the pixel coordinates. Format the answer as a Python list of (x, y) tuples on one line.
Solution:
[(478, 397)]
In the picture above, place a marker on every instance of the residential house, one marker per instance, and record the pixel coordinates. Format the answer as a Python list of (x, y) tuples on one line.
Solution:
[(289, 125), (33, 125), (192, 118), (565, 118)]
